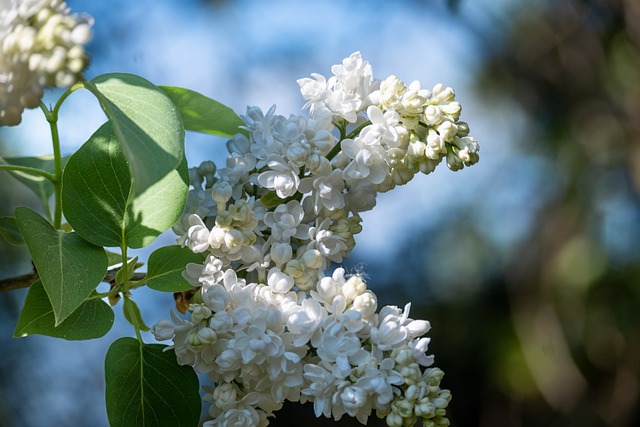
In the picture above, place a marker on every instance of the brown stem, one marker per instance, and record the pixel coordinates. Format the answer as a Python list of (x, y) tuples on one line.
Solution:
[(23, 281), (26, 280)]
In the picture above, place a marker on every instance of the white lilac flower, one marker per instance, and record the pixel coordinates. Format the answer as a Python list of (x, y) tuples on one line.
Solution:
[(282, 177), (382, 128), (368, 160), (41, 45), (355, 77), (285, 222), (330, 245), (326, 191), (197, 235), (344, 94)]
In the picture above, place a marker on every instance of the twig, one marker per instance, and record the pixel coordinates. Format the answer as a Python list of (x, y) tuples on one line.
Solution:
[(26, 280)]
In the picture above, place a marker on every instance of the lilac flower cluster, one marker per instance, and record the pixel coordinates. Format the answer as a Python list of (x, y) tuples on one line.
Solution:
[(268, 324)]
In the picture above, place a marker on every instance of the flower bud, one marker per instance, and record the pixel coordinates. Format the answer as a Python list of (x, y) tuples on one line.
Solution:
[(163, 330), (223, 394), (199, 312), (366, 303), (207, 169), (312, 259), (207, 336), (221, 192)]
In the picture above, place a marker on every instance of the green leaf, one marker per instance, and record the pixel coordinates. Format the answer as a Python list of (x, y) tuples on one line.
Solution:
[(99, 202), (10, 231), (165, 267), (146, 123), (132, 314), (271, 200), (92, 319), (42, 187), (146, 386), (69, 266), (202, 114), (113, 259)]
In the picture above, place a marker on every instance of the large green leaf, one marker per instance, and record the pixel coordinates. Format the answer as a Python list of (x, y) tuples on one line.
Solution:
[(42, 187), (202, 114), (69, 266), (145, 386), (10, 231), (166, 265), (92, 319), (99, 202), (147, 124)]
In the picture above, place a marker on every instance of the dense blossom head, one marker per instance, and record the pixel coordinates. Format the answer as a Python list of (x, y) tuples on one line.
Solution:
[(271, 324), (41, 44)]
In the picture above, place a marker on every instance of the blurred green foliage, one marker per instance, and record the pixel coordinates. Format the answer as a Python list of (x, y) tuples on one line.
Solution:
[(545, 330)]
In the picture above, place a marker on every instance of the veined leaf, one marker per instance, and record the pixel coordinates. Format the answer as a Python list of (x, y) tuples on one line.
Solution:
[(147, 387), (69, 266), (100, 203), (147, 125), (92, 319)]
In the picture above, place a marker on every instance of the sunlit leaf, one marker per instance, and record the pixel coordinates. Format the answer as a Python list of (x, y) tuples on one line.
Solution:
[(146, 386), (92, 319), (202, 114), (99, 202), (69, 266), (146, 123)]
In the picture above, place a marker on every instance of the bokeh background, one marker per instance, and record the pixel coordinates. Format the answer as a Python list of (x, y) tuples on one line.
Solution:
[(527, 264)]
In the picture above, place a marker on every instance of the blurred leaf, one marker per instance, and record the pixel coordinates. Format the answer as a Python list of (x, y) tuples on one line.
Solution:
[(146, 124), (69, 266), (10, 231), (42, 187), (166, 265), (92, 319), (98, 199), (202, 114), (147, 387)]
